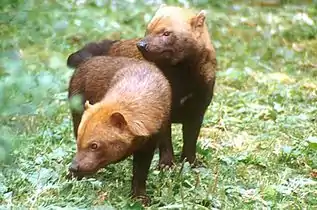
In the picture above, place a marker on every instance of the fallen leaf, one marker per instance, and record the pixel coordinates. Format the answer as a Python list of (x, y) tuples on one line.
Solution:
[(298, 47), (303, 18), (103, 196), (269, 3), (310, 86), (283, 78)]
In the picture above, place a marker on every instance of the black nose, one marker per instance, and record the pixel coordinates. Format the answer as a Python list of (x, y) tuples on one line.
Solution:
[(141, 45), (74, 166)]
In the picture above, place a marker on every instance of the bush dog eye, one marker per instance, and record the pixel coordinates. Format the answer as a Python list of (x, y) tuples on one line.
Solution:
[(94, 146), (166, 33)]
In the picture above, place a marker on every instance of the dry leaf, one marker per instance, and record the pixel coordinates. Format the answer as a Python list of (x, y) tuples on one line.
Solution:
[(283, 78), (314, 174), (298, 47), (311, 86)]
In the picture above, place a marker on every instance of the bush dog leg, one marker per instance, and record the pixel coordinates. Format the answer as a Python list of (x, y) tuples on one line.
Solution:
[(141, 164), (166, 148)]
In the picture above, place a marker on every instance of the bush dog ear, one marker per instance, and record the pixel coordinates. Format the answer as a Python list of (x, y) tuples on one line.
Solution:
[(87, 105), (138, 128), (199, 19), (118, 120)]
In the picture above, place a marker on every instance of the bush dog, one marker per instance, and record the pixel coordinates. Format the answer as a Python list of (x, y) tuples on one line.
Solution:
[(126, 105), (178, 42)]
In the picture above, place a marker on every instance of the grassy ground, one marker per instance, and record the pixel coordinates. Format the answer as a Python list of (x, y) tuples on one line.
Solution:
[(259, 137)]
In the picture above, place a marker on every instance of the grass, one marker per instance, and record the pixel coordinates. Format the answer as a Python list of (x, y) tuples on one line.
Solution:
[(259, 138)]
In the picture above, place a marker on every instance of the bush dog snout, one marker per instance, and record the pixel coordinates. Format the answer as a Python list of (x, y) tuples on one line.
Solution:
[(141, 45)]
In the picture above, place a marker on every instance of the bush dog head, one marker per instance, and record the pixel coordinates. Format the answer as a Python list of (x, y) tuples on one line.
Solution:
[(105, 136), (174, 34)]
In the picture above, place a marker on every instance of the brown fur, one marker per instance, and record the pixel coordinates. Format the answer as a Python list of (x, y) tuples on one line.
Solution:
[(88, 51), (122, 48), (126, 48), (179, 37), (130, 105), (188, 59)]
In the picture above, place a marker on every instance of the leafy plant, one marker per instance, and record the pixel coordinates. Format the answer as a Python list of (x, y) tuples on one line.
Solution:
[(258, 141)]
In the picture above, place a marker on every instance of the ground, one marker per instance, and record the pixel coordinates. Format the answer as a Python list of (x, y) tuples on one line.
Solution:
[(259, 138)]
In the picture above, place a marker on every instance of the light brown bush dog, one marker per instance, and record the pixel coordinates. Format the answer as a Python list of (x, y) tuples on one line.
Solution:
[(178, 42), (126, 105)]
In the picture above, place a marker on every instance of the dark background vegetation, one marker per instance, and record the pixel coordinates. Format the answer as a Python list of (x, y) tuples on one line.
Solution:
[(259, 138)]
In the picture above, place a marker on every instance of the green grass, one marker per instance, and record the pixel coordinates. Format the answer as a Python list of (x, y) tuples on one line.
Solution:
[(259, 139)]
